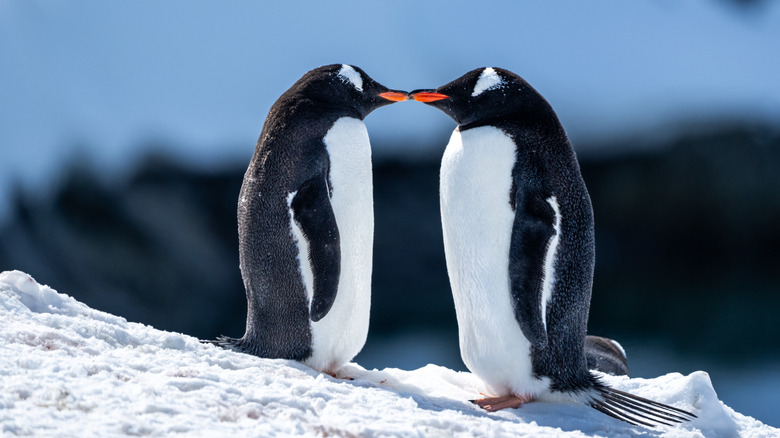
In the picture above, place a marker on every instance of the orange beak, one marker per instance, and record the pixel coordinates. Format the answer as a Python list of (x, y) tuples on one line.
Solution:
[(395, 96), (426, 97)]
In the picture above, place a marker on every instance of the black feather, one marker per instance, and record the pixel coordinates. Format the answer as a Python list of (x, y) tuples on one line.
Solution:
[(637, 410)]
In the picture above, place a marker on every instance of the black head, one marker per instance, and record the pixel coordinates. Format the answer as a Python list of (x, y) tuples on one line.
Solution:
[(345, 87), (485, 94)]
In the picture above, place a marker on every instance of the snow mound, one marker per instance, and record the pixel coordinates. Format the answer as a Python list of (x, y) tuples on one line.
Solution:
[(69, 370)]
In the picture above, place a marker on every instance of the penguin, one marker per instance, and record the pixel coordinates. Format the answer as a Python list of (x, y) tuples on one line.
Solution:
[(518, 236), (306, 222)]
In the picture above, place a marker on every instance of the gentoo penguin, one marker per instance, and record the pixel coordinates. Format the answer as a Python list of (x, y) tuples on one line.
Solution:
[(519, 245), (306, 222)]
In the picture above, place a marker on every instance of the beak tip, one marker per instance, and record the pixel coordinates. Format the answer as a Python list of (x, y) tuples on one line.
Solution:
[(427, 96), (394, 96)]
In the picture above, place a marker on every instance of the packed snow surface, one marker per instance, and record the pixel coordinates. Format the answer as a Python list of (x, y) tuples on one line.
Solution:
[(69, 370)]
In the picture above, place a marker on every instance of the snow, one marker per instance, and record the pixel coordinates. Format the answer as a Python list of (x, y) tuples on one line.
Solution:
[(69, 370)]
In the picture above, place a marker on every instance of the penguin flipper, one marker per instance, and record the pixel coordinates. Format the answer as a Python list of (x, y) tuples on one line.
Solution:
[(312, 211), (532, 230)]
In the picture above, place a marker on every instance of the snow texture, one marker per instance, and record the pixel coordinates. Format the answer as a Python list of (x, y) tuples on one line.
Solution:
[(67, 370)]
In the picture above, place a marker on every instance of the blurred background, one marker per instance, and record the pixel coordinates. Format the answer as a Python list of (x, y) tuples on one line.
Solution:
[(125, 130)]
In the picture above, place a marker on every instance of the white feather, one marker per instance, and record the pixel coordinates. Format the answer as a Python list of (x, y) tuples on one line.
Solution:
[(351, 76), (488, 80), (304, 264), (339, 336), (549, 260), (476, 177)]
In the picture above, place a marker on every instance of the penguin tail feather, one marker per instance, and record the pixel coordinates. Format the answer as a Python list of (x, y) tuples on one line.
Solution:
[(235, 344), (636, 410)]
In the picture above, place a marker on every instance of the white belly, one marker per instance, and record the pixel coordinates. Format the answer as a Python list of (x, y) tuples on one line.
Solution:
[(476, 178), (340, 335)]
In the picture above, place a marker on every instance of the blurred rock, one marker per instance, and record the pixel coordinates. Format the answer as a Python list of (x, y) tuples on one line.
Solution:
[(159, 248), (688, 242)]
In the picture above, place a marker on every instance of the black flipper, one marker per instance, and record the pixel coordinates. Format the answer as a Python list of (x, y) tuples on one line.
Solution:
[(637, 410), (531, 233), (312, 211)]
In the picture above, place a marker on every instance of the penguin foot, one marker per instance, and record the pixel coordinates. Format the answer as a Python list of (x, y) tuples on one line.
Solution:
[(493, 404), (336, 376)]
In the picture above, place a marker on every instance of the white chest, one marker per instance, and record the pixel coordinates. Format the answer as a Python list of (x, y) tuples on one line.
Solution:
[(340, 335), (476, 179)]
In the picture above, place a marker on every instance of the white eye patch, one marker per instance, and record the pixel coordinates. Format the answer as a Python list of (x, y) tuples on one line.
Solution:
[(351, 76), (488, 80)]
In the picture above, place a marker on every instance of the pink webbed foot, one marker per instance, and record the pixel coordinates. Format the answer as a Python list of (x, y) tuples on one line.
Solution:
[(336, 376), (493, 404)]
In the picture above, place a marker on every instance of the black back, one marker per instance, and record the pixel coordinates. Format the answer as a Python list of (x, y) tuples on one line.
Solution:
[(290, 156)]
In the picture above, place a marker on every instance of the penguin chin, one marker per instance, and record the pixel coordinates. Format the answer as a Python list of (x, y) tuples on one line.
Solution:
[(445, 106)]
